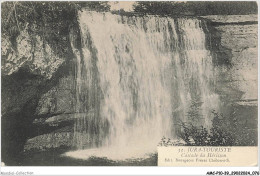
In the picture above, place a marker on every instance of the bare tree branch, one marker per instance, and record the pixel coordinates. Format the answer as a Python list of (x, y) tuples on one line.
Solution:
[(16, 16)]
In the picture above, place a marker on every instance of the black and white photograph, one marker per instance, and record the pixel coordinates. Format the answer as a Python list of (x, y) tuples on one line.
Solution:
[(107, 83)]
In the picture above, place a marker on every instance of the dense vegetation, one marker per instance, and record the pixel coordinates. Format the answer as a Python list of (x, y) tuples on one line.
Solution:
[(50, 20), (225, 131), (197, 7)]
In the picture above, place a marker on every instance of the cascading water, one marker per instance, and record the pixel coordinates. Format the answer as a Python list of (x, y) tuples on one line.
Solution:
[(136, 77)]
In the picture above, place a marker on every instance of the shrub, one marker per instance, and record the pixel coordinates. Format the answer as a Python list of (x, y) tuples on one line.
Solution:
[(224, 132)]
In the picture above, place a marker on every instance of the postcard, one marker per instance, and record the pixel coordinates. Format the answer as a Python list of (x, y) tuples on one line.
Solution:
[(129, 83)]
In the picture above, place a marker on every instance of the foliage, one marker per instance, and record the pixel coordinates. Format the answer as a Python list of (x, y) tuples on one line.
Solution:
[(50, 20), (196, 8), (224, 132), (168, 142)]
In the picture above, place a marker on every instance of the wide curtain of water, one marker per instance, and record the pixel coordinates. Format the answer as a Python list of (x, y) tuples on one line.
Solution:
[(137, 79)]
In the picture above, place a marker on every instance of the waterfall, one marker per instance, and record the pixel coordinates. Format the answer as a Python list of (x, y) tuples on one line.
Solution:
[(136, 78)]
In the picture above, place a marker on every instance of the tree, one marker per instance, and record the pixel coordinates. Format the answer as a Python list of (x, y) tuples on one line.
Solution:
[(196, 8), (50, 20)]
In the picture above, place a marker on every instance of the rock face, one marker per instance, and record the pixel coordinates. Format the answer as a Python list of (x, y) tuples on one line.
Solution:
[(58, 138), (59, 99), (34, 53), (237, 79), (37, 84), (238, 37)]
